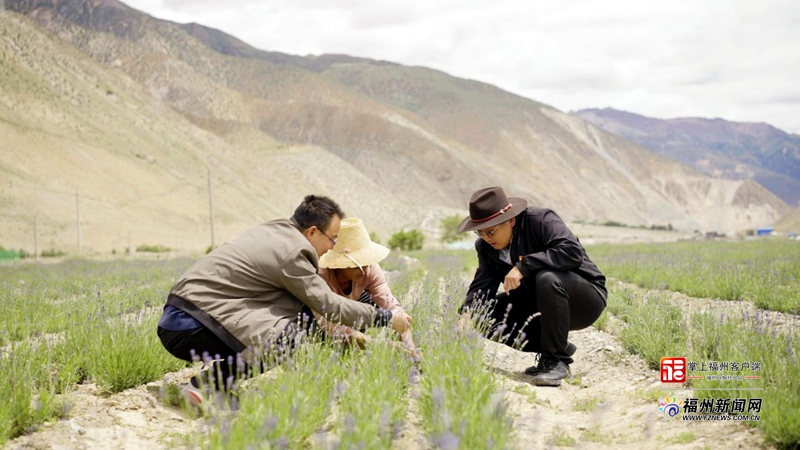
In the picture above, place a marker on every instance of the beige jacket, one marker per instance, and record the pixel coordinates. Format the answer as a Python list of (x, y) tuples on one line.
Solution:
[(256, 284)]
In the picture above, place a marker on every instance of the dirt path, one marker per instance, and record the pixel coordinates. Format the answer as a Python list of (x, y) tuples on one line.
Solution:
[(610, 402)]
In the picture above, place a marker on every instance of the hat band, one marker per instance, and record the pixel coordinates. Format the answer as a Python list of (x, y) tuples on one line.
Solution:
[(346, 252), (502, 211)]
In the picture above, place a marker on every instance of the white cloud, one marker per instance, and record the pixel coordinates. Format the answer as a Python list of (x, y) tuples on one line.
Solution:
[(731, 59)]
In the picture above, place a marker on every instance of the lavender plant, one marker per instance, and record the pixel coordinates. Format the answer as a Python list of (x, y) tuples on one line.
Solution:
[(461, 404), (284, 407), (372, 405), (766, 272), (650, 327)]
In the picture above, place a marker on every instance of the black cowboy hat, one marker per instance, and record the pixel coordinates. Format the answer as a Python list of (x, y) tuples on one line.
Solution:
[(489, 207)]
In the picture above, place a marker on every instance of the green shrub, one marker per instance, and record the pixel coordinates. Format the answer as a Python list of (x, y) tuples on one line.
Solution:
[(8, 254), (153, 248), (449, 227), (407, 240), (613, 223), (667, 227), (52, 253)]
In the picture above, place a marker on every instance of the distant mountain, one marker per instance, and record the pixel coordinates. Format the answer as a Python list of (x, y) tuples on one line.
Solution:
[(133, 112), (717, 147), (790, 223)]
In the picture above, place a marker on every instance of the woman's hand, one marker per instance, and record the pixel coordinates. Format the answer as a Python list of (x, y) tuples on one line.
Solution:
[(407, 345), (358, 338), (401, 322)]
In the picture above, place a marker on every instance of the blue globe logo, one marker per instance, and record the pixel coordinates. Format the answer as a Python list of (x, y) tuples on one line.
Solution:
[(670, 406)]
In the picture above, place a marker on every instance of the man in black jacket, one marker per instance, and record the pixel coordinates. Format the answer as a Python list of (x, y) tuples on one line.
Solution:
[(543, 269)]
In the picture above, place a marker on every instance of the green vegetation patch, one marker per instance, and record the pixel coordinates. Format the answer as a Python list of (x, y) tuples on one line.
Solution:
[(651, 326), (765, 271)]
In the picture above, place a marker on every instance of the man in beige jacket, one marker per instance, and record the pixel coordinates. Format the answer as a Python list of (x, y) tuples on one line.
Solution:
[(252, 292)]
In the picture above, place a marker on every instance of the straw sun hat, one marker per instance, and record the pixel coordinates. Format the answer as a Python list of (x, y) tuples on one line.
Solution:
[(353, 248)]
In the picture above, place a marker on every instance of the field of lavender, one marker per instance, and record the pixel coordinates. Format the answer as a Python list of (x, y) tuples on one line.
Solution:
[(63, 324), (68, 325), (761, 276), (764, 271)]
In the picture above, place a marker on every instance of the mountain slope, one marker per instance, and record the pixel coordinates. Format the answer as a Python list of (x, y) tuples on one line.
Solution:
[(790, 222), (71, 125), (714, 146), (133, 110)]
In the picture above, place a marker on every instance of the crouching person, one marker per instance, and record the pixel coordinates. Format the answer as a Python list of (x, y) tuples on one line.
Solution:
[(551, 287), (248, 294), (351, 269)]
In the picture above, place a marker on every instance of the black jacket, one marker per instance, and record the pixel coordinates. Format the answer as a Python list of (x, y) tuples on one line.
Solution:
[(541, 240)]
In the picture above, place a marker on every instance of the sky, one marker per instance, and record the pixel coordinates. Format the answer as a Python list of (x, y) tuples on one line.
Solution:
[(733, 59)]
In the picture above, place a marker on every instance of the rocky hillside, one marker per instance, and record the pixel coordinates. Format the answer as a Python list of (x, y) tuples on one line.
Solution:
[(716, 147), (132, 113), (790, 223)]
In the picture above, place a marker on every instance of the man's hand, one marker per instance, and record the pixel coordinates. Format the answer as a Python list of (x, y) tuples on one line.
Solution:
[(512, 280), (360, 339), (401, 322)]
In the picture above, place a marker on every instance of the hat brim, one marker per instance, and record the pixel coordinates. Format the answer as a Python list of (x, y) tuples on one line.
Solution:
[(517, 206), (367, 256)]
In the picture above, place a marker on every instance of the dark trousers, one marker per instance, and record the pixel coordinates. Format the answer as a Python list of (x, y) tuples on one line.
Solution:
[(567, 302), (201, 344)]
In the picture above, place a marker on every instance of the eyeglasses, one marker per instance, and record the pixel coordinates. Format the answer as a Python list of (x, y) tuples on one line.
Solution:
[(332, 239), (488, 234)]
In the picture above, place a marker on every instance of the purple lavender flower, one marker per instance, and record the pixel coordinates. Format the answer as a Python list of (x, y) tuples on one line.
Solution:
[(349, 424), (437, 395), (446, 441), (269, 424)]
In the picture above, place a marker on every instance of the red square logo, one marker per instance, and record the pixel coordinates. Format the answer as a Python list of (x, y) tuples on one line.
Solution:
[(673, 369)]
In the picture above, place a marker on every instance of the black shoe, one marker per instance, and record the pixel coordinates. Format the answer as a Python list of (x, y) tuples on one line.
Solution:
[(535, 369), (552, 374)]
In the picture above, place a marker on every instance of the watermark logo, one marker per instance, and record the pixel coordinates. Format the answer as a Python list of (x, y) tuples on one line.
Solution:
[(721, 409), (735, 370), (670, 406), (673, 369)]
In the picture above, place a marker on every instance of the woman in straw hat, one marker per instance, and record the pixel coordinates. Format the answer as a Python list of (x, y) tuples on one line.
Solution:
[(351, 270), (550, 285)]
